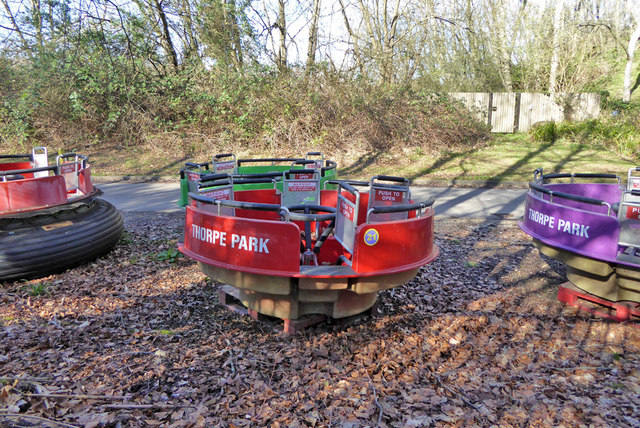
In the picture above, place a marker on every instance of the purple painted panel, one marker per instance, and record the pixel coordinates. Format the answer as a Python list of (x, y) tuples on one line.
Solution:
[(583, 232), (609, 193)]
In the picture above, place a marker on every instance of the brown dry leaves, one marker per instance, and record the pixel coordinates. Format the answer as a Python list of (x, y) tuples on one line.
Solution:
[(478, 338)]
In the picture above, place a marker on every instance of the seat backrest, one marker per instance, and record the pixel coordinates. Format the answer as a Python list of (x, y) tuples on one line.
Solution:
[(220, 189), (40, 159), (300, 186), (224, 163), (629, 219), (192, 172), (318, 159), (385, 191), (69, 166), (346, 216)]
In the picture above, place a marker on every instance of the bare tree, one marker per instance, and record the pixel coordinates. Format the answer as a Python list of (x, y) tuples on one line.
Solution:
[(633, 40), (156, 17), (281, 25), (313, 34), (557, 24)]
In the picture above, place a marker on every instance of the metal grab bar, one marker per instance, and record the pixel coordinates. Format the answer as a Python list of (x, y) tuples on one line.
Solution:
[(28, 156), (265, 160), (576, 198), (288, 215), (22, 171), (538, 176), (401, 208), (351, 182), (83, 163)]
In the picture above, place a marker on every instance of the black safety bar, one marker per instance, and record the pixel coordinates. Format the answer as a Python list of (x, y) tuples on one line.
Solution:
[(307, 216), (351, 182), (241, 161), (400, 208), (214, 177), (28, 156), (284, 211), (241, 176), (223, 155), (348, 187), (237, 204), (304, 162), (84, 158), (578, 175), (391, 178), (23, 171), (583, 199), (197, 165), (330, 165)]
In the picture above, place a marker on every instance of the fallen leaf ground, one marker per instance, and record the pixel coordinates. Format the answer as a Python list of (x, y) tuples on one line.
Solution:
[(137, 338)]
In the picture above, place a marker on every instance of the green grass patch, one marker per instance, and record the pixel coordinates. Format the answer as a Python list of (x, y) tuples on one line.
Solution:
[(38, 288), (509, 157)]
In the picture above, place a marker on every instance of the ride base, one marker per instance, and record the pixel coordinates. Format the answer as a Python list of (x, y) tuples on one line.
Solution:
[(571, 295), (229, 297)]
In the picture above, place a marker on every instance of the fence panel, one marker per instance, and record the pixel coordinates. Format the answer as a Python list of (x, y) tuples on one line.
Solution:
[(536, 108), (476, 102), (503, 110), (509, 112)]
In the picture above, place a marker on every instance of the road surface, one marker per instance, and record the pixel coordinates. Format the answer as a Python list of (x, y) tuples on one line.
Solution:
[(450, 201)]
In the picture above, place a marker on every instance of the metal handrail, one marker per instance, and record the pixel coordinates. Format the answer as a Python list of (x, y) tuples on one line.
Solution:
[(419, 206), (576, 198)]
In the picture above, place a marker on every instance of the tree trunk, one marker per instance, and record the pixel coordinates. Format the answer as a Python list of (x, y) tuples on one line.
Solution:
[(356, 47), (36, 16), (167, 44), (313, 35), (282, 28), (232, 23), (633, 40), (555, 57)]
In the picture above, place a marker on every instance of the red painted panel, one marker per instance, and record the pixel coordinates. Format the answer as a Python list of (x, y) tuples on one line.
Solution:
[(11, 166), (84, 180), (261, 196), (258, 246), (32, 193), (394, 246)]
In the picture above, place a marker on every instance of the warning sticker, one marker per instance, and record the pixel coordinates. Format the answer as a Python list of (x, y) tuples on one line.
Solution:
[(346, 210), (68, 168), (388, 195), (633, 213), (221, 194), (193, 176), (224, 166), (302, 187)]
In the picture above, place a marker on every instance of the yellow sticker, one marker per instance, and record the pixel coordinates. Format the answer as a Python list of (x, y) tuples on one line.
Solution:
[(371, 237)]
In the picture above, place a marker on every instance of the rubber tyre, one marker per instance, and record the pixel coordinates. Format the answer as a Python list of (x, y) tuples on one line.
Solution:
[(43, 242)]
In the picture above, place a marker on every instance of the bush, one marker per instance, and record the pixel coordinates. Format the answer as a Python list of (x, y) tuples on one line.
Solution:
[(198, 112), (618, 131)]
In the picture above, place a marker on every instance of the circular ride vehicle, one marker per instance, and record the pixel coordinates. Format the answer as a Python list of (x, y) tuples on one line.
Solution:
[(590, 222), (252, 173), (308, 249), (50, 218)]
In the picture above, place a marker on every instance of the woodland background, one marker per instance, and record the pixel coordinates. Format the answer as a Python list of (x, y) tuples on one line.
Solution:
[(186, 78)]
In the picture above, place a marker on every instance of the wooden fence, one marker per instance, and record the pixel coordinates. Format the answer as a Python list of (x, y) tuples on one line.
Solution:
[(510, 112)]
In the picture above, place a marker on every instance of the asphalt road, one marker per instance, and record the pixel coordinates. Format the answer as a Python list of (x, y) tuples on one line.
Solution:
[(450, 201)]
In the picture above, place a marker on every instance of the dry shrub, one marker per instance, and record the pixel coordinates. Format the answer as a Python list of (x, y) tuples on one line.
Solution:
[(258, 113)]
